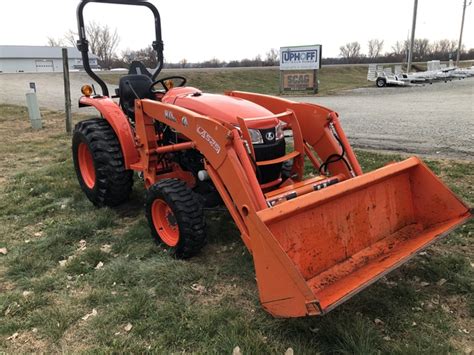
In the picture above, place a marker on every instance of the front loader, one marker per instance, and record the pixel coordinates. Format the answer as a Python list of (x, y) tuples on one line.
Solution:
[(318, 228)]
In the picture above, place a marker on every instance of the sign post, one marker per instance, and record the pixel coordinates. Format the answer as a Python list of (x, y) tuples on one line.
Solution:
[(298, 69)]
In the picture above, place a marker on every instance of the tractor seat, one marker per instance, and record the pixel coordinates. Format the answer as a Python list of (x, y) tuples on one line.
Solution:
[(141, 87)]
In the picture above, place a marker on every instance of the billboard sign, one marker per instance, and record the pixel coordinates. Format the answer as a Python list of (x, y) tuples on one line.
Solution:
[(299, 81), (300, 57)]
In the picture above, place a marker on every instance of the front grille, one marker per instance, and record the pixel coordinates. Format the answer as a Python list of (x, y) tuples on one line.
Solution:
[(263, 152)]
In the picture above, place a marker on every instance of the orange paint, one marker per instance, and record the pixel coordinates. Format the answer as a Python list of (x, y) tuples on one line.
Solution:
[(165, 222), (119, 122), (86, 165)]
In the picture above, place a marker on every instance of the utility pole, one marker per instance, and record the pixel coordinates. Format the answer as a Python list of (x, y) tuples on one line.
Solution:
[(462, 27), (412, 41)]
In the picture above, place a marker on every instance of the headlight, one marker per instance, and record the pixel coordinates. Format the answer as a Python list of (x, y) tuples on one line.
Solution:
[(255, 136), (279, 134)]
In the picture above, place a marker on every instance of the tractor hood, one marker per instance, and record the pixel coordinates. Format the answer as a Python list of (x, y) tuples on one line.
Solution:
[(220, 107)]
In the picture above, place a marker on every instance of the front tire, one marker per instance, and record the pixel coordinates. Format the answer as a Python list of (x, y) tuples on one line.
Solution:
[(176, 218), (99, 163), (286, 169)]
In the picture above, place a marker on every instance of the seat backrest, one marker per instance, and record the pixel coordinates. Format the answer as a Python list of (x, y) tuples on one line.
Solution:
[(141, 87), (137, 67)]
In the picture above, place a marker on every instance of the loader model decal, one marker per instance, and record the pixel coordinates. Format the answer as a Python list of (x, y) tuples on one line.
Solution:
[(212, 142), (169, 115)]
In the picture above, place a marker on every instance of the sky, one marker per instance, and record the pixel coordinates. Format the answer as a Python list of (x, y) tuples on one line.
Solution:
[(227, 30)]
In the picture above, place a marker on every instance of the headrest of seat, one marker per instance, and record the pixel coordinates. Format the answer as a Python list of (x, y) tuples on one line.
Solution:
[(138, 68)]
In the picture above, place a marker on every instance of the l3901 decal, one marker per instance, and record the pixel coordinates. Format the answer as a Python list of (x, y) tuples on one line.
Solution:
[(212, 142)]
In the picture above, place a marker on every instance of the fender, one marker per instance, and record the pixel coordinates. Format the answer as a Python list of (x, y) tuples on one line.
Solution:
[(119, 122)]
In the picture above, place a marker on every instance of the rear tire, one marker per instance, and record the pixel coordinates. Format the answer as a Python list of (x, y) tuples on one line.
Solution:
[(381, 82), (176, 218), (99, 163)]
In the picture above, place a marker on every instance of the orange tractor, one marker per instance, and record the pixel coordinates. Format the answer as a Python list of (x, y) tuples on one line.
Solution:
[(316, 238)]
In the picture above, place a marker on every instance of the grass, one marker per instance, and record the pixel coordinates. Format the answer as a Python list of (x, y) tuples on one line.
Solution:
[(46, 221), (332, 79)]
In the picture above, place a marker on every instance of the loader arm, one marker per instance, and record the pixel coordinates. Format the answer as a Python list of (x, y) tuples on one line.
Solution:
[(316, 123), (325, 238)]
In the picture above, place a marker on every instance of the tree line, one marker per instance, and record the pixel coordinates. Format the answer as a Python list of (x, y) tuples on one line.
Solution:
[(423, 50), (104, 41)]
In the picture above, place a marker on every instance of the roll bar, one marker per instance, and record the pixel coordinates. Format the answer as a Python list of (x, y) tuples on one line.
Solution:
[(83, 44)]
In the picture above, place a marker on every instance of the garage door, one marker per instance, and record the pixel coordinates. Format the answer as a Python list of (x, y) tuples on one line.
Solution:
[(44, 66)]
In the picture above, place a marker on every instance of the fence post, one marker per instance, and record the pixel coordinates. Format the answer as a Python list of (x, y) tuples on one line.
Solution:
[(67, 91), (33, 110)]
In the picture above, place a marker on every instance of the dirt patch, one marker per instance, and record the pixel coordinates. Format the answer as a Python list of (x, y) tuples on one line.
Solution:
[(464, 337), (27, 342)]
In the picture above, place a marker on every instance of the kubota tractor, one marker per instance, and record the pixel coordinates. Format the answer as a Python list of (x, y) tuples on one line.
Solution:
[(315, 240)]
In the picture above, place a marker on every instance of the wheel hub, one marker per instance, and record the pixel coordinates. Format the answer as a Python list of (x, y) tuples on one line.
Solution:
[(86, 165), (165, 222)]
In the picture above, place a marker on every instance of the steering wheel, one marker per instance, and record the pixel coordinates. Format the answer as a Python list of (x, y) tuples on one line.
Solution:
[(162, 82)]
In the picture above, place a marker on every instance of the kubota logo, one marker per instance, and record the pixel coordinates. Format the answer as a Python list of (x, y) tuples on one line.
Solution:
[(212, 142), (270, 136)]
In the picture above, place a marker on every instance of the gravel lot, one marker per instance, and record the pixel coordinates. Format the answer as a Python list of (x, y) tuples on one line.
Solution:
[(434, 120), (49, 86)]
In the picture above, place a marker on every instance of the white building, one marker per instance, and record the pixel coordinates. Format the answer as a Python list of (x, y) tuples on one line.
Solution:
[(32, 59)]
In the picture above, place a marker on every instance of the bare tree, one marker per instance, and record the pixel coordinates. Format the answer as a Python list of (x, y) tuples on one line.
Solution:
[(55, 42), (350, 51), (106, 44), (453, 47), (421, 48), (375, 48), (213, 63), (398, 49), (70, 37), (146, 55), (183, 62), (103, 41), (272, 58)]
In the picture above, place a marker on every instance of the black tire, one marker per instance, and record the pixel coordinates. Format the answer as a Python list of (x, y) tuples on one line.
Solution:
[(381, 82), (187, 214), (112, 182), (286, 168)]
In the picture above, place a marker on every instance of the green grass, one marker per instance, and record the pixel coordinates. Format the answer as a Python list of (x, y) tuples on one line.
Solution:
[(44, 219), (332, 79)]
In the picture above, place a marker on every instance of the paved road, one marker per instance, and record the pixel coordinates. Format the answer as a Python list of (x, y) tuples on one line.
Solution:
[(436, 119)]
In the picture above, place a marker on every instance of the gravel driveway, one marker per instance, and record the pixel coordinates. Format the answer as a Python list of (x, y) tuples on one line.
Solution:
[(49, 86), (435, 119)]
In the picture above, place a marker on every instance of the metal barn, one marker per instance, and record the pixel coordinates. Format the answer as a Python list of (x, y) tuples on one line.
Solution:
[(33, 59)]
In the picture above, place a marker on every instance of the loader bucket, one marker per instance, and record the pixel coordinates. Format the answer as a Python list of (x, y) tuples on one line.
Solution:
[(343, 238)]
